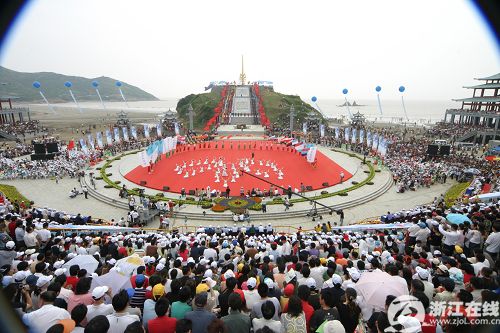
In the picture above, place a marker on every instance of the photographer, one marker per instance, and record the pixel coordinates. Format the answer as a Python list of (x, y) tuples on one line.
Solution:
[(19, 297)]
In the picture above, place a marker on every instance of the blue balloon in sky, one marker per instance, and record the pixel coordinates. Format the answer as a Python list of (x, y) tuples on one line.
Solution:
[(36, 84), (378, 88), (118, 84), (95, 84), (68, 84), (401, 89), (314, 99), (345, 91)]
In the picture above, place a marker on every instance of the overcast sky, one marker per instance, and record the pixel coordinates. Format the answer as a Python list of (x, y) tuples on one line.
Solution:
[(173, 48)]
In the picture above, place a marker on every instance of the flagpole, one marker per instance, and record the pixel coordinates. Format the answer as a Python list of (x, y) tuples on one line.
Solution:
[(402, 90), (345, 91), (119, 85), (68, 85), (37, 85), (378, 89), (95, 84)]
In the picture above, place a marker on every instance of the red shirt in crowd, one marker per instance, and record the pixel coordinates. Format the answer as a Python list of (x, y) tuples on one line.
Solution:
[(12, 230), (184, 255), (132, 282), (71, 281), (122, 251), (150, 270), (162, 324)]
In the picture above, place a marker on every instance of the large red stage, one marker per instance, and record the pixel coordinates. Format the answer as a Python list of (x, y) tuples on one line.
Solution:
[(275, 160)]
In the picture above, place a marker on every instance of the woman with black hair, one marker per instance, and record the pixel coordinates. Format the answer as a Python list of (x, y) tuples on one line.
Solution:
[(294, 321), (82, 294), (349, 311), (183, 252), (78, 314)]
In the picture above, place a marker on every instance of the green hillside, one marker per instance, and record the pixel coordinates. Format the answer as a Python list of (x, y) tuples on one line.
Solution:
[(203, 108), (276, 105), (19, 85)]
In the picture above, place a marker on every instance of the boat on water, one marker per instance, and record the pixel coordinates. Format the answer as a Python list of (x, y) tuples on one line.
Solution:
[(349, 104)]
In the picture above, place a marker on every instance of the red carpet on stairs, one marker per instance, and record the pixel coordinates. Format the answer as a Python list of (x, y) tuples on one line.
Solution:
[(295, 168)]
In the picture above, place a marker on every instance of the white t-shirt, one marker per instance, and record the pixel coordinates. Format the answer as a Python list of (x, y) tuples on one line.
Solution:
[(251, 297), (317, 275), (450, 237), (65, 294), (30, 239), (493, 242), (478, 266), (118, 322), (274, 325), (96, 310), (474, 236), (210, 253), (44, 235), (45, 317)]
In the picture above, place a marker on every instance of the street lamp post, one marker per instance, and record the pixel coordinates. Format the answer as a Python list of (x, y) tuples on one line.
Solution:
[(292, 113), (190, 113)]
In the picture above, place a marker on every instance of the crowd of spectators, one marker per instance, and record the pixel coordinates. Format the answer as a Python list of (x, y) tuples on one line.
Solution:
[(17, 150), (452, 131), (246, 279), (15, 163), (24, 128)]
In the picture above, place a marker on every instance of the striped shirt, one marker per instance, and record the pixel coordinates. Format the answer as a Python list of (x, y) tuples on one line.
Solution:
[(137, 301)]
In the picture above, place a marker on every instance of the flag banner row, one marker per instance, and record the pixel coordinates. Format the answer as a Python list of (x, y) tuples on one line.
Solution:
[(322, 130), (83, 146), (115, 136), (91, 141), (125, 133), (158, 147)]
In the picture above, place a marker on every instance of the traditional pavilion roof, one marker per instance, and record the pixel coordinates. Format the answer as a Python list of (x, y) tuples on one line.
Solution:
[(493, 77), (489, 99), (484, 86)]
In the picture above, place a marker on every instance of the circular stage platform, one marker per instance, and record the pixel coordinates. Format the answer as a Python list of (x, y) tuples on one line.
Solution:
[(218, 163)]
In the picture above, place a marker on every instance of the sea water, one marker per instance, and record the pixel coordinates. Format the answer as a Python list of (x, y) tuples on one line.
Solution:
[(421, 112)]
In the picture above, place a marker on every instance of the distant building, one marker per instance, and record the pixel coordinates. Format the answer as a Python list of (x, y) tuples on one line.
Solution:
[(481, 112), (10, 115), (122, 119), (169, 116), (357, 119)]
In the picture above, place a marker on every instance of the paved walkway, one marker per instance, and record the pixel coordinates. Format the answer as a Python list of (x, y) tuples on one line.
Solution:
[(46, 193)]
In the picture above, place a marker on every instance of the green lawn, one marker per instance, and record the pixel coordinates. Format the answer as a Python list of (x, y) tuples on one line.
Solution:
[(13, 194)]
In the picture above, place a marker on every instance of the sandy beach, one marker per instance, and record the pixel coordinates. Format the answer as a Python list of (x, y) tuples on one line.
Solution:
[(68, 122)]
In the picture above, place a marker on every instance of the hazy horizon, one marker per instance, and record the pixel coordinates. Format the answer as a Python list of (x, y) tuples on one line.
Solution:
[(307, 49)]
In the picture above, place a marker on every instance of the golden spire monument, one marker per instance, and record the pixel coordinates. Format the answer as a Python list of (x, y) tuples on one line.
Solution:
[(243, 77)]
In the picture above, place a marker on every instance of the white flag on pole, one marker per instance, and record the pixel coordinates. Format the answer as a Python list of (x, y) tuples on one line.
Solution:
[(311, 154), (144, 158)]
